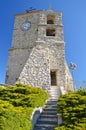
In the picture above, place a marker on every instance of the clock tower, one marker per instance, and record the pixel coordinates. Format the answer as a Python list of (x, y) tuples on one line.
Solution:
[(37, 55)]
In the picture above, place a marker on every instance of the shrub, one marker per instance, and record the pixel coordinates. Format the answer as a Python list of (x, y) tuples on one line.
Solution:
[(23, 95), (12, 118), (73, 109), (17, 104)]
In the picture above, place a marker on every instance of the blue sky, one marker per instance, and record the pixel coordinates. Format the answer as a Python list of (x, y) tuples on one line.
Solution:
[(74, 21)]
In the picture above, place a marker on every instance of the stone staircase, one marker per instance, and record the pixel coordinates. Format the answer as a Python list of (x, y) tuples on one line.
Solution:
[(54, 93), (48, 119)]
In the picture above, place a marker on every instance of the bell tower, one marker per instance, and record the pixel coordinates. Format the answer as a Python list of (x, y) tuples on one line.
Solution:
[(37, 56)]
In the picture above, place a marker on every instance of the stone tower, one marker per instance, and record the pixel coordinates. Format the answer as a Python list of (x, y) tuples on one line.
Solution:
[(37, 56)]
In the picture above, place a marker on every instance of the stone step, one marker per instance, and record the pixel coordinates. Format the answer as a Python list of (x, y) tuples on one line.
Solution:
[(51, 102), (52, 92), (51, 106), (43, 128), (54, 89), (48, 116), (53, 97), (49, 109), (45, 119), (46, 125), (47, 122), (49, 112)]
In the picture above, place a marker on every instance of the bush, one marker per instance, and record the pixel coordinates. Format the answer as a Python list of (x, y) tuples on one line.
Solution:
[(12, 118), (73, 109), (23, 95), (17, 104)]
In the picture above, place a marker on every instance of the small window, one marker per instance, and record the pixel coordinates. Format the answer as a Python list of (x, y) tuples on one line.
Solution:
[(50, 32), (53, 78), (50, 19), (50, 22)]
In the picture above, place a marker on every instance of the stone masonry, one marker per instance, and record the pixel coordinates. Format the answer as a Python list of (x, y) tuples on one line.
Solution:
[(37, 52)]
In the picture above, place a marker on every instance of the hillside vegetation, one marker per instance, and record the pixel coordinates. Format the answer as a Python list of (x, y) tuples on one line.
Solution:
[(72, 106), (17, 104)]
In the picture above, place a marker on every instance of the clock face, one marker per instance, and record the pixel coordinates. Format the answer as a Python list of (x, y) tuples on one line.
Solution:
[(25, 26)]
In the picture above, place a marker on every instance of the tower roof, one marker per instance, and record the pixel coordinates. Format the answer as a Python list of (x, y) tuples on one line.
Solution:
[(50, 9)]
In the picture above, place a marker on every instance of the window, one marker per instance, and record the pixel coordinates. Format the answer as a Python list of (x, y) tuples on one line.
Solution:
[(53, 78), (50, 32), (50, 19)]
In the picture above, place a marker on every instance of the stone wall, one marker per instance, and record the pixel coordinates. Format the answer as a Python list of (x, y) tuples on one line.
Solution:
[(36, 71), (34, 54), (68, 79), (21, 38), (41, 61), (16, 61)]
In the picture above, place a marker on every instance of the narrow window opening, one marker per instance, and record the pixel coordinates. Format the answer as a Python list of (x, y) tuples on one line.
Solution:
[(53, 78), (50, 19), (50, 32)]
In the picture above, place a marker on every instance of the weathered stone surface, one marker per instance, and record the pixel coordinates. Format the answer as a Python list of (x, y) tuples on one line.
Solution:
[(34, 54), (36, 71)]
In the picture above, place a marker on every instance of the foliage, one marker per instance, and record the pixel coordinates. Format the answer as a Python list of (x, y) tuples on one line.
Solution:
[(81, 91), (24, 96), (17, 104), (73, 109), (12, 118)]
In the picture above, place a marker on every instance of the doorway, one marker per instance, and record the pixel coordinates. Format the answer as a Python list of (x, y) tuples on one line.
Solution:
[(53, 78)]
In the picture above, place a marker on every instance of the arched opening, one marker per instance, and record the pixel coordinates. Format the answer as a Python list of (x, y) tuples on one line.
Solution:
[(50, 19)]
